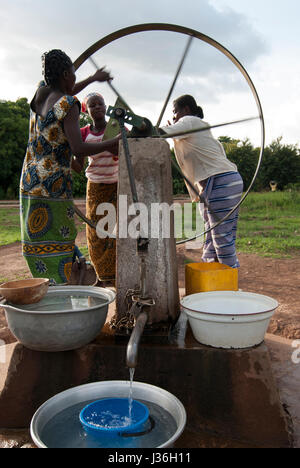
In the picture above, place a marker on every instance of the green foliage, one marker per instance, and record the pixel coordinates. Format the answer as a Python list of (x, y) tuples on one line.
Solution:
[(281, 163), (179, 186), (79, 180), (79, 184), (245, 157), (14, 122), (84, 120), (14, 125)]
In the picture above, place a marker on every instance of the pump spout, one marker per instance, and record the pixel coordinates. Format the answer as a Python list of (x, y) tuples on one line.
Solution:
[(133, 344)]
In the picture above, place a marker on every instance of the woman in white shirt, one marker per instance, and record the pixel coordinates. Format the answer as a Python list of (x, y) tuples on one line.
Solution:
[(203, 162)]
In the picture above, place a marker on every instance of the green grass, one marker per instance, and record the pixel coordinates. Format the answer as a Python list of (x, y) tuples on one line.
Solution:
[(269, 225), (9, 226)]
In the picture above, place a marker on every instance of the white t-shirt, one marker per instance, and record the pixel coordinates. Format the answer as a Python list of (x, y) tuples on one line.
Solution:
[(199, 154)]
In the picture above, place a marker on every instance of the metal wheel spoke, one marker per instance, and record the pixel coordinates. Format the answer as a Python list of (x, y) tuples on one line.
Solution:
[(192, 33), (187, 48), (203, 129), (111, 85)]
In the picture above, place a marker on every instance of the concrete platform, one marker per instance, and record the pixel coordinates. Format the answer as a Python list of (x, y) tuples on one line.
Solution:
[(231, 396), (287, 376)]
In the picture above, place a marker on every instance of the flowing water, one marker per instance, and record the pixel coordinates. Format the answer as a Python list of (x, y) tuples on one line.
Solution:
[(131, 374), (64, 430)]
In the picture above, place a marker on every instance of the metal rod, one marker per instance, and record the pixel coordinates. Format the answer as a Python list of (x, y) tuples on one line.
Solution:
[(119, 96), (111, 85), (91, 224), (84, 218), (189, 42), (203, 129), (128, 162), (143, 277), (135, 338)]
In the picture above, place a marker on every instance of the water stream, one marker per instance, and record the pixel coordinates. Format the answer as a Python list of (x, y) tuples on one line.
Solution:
[(131, 374)]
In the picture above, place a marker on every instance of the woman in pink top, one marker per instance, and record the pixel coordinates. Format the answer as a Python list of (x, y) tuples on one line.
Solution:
[(102, 175)]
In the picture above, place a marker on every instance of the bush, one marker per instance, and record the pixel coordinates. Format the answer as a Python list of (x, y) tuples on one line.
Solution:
[(281, 163), (79, 184), (245, 156), (14, 121), (179, 187), (293, 187)]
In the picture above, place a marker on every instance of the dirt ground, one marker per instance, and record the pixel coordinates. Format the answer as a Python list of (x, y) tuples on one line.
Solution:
[(277, 278)]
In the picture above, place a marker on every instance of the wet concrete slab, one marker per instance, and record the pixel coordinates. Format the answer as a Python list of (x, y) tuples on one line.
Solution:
[(284, 355), (231, 396)]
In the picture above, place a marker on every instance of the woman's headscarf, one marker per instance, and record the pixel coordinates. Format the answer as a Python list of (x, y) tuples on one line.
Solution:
[(85, 101)]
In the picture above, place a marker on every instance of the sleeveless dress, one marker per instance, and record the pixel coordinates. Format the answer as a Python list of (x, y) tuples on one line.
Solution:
[(46, 203)]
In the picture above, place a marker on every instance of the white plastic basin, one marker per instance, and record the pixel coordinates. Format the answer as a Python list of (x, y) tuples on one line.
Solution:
[(229, 319)]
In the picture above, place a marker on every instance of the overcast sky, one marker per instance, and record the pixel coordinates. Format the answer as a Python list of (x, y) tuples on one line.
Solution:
[(262, 34)]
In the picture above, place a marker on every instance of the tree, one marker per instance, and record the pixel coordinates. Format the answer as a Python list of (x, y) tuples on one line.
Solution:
[(245, 156), (14, 122), (14, 126), (281, 163), (179, 186), (80, 180)]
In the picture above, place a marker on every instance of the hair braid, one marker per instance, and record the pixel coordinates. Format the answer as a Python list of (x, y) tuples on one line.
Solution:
[(54, 63)]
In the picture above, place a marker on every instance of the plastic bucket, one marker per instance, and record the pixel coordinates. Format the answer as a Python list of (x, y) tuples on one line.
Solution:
[(204, 277), (111, 417)]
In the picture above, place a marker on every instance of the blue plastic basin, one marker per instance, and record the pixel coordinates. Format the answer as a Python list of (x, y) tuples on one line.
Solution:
[(110, 416)]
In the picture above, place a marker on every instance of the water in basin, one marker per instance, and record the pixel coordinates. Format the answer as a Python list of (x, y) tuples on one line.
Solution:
[(64, 430), (64, 301)]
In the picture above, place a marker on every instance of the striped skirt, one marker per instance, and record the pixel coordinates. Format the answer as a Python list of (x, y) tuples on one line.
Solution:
[(222, 193), (48, 235)]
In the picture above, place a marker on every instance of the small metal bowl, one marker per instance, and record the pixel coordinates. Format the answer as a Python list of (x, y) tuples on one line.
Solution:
[(29, 291)]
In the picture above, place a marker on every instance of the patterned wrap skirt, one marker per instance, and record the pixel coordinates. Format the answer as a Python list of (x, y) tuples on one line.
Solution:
[(222, 193), (48, 237), (102, 251)]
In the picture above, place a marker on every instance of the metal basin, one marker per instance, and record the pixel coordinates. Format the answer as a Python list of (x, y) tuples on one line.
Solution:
[(78, 396), (229, 319), (67, 318)]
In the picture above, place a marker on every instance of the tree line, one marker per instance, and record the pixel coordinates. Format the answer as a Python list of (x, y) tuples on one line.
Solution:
[(280, 163)]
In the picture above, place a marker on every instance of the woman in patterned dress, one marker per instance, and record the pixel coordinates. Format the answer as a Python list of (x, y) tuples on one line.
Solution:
[(102, 187), (47, 213)]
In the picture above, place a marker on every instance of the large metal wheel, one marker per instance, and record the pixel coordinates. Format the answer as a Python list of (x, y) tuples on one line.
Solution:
[(191, 34)]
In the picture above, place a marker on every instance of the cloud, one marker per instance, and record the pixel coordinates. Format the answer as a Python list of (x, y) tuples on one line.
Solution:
[(143, 64), (27, 26)]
